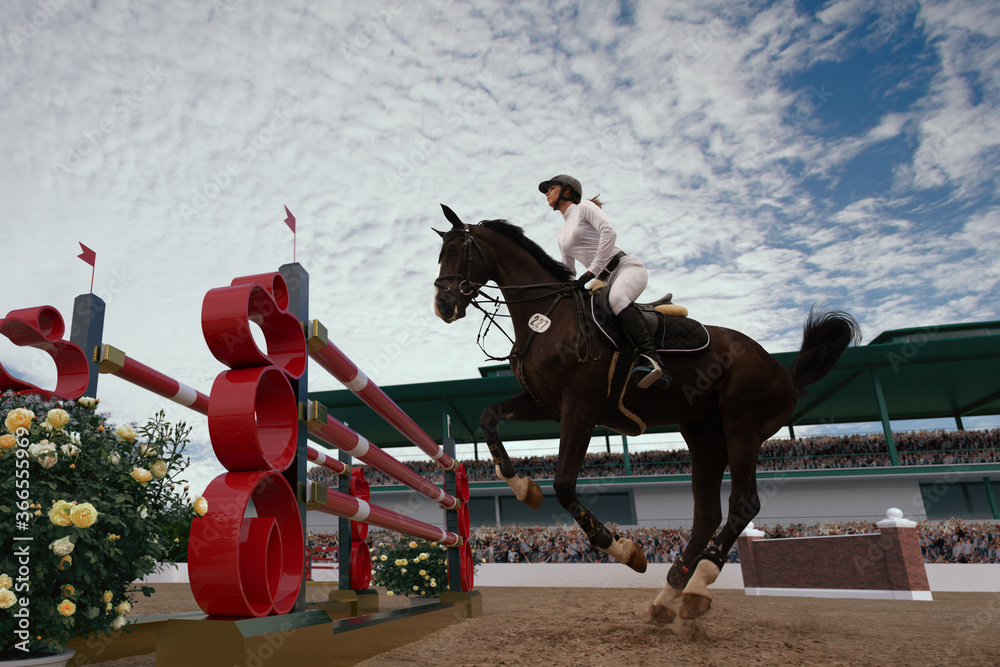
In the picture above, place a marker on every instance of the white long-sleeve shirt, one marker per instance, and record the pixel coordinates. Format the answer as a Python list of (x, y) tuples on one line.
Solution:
[(587, 237)]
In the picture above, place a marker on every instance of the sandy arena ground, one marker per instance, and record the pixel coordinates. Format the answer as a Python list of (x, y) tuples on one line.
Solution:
[(603, 626)]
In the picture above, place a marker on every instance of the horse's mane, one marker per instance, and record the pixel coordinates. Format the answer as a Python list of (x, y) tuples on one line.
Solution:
[(560, 271)]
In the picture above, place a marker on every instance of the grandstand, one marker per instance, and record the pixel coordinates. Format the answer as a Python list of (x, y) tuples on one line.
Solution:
[(939, 372)]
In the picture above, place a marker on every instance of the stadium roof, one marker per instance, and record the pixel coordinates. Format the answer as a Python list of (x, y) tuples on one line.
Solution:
[(949, 371)]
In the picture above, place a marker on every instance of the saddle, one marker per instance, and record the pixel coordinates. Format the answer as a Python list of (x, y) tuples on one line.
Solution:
[(671, 332)]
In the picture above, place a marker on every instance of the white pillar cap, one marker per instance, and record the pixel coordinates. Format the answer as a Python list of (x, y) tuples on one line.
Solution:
[(751, 531), (894, 519)]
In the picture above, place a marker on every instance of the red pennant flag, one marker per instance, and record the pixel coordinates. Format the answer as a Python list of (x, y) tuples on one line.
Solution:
[(88, 255), (290, 220)]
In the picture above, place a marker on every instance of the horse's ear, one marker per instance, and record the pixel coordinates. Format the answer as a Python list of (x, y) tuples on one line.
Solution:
[(439, 232), (456, 223)]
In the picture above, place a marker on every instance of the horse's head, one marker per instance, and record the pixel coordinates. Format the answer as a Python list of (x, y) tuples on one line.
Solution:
[(462, 269)]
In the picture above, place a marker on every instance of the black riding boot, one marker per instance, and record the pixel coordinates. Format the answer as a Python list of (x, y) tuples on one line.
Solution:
[(635, 327)]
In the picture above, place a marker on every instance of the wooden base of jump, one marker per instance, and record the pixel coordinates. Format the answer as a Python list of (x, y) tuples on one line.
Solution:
[(342, 631), (139, 640)]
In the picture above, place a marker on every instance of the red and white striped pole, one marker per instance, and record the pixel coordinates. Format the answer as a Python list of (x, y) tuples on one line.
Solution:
[(330, 463), (340, 504), (334, 433), (327, 355), (112, 360)]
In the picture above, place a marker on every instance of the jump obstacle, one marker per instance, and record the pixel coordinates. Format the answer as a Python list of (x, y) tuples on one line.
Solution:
[(886, 565), (247, 568)]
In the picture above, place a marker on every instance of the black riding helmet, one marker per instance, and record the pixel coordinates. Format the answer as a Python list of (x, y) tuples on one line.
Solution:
[(563, 180)]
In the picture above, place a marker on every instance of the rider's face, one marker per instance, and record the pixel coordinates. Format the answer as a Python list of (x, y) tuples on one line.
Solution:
[(552, 195)]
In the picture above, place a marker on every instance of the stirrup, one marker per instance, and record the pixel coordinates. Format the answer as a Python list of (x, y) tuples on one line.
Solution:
[(653, 372)]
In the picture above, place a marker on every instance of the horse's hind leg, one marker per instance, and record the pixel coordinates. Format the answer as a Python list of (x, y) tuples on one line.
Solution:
[(520, 408), (574, 437), (743, 444), (707, 444)]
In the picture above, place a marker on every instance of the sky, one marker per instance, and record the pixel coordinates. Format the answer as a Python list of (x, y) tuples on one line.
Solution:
[(757, 157)]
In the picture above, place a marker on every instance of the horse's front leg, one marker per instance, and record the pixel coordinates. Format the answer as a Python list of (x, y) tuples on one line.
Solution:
[(520, 408), (575, 430)]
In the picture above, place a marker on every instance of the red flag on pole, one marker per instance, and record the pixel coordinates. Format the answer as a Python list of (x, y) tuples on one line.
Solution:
[(90, 257), (290, 221)]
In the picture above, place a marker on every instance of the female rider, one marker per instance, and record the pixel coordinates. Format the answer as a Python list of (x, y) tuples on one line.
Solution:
[(588, 237)]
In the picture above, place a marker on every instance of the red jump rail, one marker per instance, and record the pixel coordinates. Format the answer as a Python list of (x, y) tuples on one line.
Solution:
[(318, 497), (334, 433), (112, 360), (327, 355)]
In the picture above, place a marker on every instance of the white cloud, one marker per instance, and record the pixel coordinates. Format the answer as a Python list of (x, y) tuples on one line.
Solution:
[(363, 118)]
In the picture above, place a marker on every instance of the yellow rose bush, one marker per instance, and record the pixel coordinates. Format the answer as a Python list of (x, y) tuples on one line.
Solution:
[(67, 482), (393, 565)]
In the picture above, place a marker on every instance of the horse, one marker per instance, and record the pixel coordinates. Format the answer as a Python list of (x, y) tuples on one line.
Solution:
[(726, 399)]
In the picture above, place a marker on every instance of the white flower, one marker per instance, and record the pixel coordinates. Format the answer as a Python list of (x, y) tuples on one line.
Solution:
[(48, 461), (114, 457), (62, 546), (74, 437), (69, 449), (118, 623), (146, 450), (87, 402), (142, 511)]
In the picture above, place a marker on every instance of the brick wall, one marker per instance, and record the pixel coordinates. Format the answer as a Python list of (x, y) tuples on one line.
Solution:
[(889, 560)]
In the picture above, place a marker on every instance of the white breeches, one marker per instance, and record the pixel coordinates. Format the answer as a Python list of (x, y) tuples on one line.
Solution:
[(627, 282)]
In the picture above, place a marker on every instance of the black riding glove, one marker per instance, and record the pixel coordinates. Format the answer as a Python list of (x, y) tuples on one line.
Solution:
[(581, 282)]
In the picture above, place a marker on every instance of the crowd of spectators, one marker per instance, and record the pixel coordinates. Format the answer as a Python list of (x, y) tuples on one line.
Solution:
[(948, 541), (938, 447)]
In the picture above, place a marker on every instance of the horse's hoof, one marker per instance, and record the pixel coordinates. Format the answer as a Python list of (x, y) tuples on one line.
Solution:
[(636, 559), (533, 496), (695, 606), (659, 614)]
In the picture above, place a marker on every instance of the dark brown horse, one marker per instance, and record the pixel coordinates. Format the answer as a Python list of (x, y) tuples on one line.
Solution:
[(726, 399)]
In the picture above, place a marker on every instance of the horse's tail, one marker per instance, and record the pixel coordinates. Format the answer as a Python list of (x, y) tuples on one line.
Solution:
[(825, 336)]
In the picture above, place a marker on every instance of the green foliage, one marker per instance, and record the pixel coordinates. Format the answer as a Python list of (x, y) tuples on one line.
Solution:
[(398, 564), (47, 467)]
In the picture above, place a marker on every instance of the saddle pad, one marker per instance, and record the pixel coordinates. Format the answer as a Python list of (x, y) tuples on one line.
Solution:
[(677, 334), (670, 333)]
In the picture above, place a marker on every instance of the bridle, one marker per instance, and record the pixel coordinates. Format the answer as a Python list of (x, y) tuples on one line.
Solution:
[(466, 287)]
